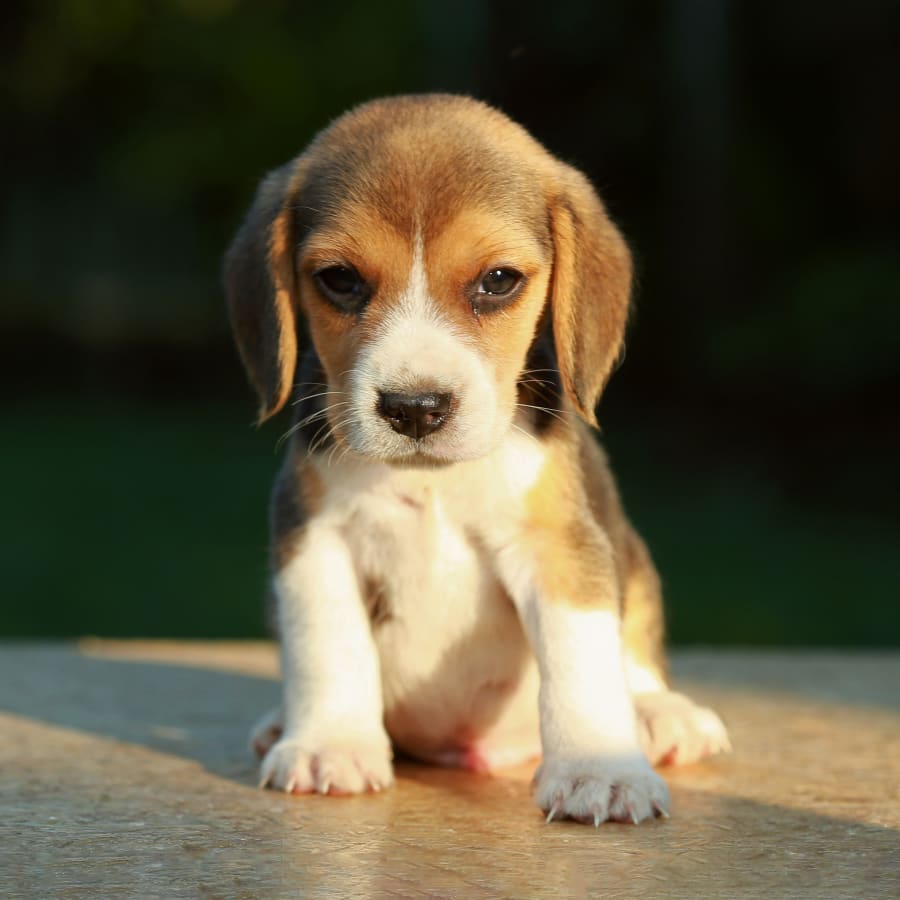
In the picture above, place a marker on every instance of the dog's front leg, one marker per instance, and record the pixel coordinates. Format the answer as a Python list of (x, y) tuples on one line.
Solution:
[(334, 739), (593, 768)]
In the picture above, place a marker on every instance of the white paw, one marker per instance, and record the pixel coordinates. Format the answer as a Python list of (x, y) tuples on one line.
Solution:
[(673, 729), (348, 766), (597, 788)]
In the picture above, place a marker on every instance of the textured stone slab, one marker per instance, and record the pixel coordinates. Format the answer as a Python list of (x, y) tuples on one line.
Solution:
[(124, 772)]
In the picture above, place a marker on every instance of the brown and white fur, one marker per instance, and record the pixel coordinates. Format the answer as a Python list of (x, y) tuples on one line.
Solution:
[(454, 576)]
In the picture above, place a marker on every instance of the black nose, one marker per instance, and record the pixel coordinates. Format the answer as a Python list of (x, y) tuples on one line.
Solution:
[(415, 415)]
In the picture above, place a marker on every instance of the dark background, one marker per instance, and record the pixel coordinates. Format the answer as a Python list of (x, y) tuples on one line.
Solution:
[(750, 151)]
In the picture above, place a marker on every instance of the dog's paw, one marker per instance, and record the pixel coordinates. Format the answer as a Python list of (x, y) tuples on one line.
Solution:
[(297, 766), (674, 730), (597, 789), (266, 732)]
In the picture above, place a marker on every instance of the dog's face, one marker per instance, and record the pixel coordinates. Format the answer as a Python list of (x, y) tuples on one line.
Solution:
[(425, 242)]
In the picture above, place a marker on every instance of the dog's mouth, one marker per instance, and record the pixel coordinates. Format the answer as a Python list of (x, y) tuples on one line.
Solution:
[(371, 439), (419, 460), (409, 453)]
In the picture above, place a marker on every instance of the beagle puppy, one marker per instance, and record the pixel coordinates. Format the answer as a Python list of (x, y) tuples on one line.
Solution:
[(440, 301)]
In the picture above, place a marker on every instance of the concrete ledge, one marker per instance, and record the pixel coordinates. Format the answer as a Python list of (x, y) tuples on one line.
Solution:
[(124, 772)]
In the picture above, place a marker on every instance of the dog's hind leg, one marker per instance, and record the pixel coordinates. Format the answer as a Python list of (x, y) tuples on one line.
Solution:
[(267, 731)]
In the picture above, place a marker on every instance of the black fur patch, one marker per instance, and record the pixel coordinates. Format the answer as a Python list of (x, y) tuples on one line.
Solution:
[(310, 425), (376, 600), (540, 385)]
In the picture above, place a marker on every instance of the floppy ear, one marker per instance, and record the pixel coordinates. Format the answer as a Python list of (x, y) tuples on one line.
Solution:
[(590, 290), (261, 287)]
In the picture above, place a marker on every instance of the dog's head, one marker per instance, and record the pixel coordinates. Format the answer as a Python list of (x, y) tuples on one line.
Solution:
[(423, 244)]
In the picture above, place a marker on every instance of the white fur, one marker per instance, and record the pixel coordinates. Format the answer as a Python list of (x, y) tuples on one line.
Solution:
[(333, 734), (418, 350), (671, 727), (593, 767), (455, 668), (674, 729), (452, 651), (642, 680), (585, 703)]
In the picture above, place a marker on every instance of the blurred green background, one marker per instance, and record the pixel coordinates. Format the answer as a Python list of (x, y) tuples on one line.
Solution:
[(751, 152)]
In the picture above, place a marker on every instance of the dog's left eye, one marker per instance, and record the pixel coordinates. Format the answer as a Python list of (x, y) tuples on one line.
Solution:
[(343, 287), (500, 282)]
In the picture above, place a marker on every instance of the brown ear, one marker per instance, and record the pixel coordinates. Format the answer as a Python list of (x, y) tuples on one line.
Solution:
[(590, 290), (260, 288)]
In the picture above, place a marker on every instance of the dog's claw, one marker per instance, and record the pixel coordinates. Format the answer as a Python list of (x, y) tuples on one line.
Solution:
[(553, 811), (596, 819), (634, 817), (326, 787), (660, 810)]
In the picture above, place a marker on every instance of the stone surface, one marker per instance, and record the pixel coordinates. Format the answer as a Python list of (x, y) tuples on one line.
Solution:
[(124, 772)]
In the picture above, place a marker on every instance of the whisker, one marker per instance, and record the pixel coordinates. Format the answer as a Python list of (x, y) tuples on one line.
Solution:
[(322, 412), (344, 452), (305, 397), (291, 431), (546, 385), (338, 442), (527, 377), (307, 420), (334, 450), (557, 414), (314, 384), (330, 429), (535, 371), (316, 442), (527, 434)]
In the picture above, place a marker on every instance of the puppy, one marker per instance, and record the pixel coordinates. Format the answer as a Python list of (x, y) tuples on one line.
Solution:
[(441, 301)]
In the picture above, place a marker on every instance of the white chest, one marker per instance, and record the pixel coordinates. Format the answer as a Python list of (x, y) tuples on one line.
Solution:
[(452, 652)]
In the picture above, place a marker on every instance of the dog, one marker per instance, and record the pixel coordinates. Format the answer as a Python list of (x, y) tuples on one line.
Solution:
[(441, 301)]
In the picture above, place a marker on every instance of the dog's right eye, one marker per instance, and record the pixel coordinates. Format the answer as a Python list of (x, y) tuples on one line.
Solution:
[(343, 287)]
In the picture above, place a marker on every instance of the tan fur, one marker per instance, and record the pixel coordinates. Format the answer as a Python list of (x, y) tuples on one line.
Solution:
[(573, 553), (472, 240), (640, 592), (591, 290), (643, 631), (259, 263)]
